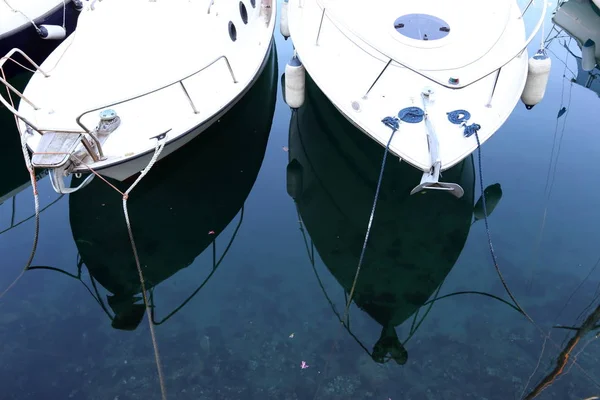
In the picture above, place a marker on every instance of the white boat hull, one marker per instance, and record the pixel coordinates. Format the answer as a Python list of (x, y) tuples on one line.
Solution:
[(356, 67), (151, 85)]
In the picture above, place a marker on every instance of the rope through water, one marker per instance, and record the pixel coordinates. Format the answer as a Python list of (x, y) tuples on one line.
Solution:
[(546, 335), (550, 176), (158, 149), (36, 199), (489, 236), (394, 124), (160, 144)]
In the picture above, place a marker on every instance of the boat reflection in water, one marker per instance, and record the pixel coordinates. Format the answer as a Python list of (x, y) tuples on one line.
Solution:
[(177, 211), (415, 240)]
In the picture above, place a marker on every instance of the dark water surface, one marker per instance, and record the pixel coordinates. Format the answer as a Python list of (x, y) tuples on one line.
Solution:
[(250, 237)]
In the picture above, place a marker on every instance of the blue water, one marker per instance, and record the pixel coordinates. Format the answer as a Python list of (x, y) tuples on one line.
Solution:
[(250, 237)]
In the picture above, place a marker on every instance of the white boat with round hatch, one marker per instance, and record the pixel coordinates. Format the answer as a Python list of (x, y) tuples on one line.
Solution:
[(123, 89), (431, 79)]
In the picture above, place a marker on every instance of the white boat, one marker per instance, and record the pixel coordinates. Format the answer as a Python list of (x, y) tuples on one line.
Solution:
[(449, 73), (122, 85), (35, 26)]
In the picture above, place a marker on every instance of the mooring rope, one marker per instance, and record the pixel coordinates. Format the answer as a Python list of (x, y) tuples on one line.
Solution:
[(160, 144), (545, 334), (489, 236), (460, 117), (454, 117), (36, 199), (394, 124), (550, 176), (415, 117)]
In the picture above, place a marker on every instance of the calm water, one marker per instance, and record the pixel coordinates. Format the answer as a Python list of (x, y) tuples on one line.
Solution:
[(250, 237)]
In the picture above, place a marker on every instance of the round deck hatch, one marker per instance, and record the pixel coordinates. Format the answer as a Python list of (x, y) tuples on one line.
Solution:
[(422, 27)]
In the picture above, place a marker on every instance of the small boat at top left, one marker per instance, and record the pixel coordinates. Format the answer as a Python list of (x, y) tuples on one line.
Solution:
[(36, 27)]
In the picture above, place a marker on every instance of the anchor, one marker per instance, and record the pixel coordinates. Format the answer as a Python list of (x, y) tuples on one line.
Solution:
[(430, 179)]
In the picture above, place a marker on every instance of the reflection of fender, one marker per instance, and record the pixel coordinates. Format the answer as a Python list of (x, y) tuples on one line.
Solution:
[(294, 179), (493, 195)]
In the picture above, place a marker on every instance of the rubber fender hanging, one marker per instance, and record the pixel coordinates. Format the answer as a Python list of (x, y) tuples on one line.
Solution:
[(283, 20), (52, 32), (588, 55), (537, 79), (295, 81)]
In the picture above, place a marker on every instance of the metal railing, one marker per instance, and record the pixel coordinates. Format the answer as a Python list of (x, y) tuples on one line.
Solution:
[(85, 130), (178, 81)]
